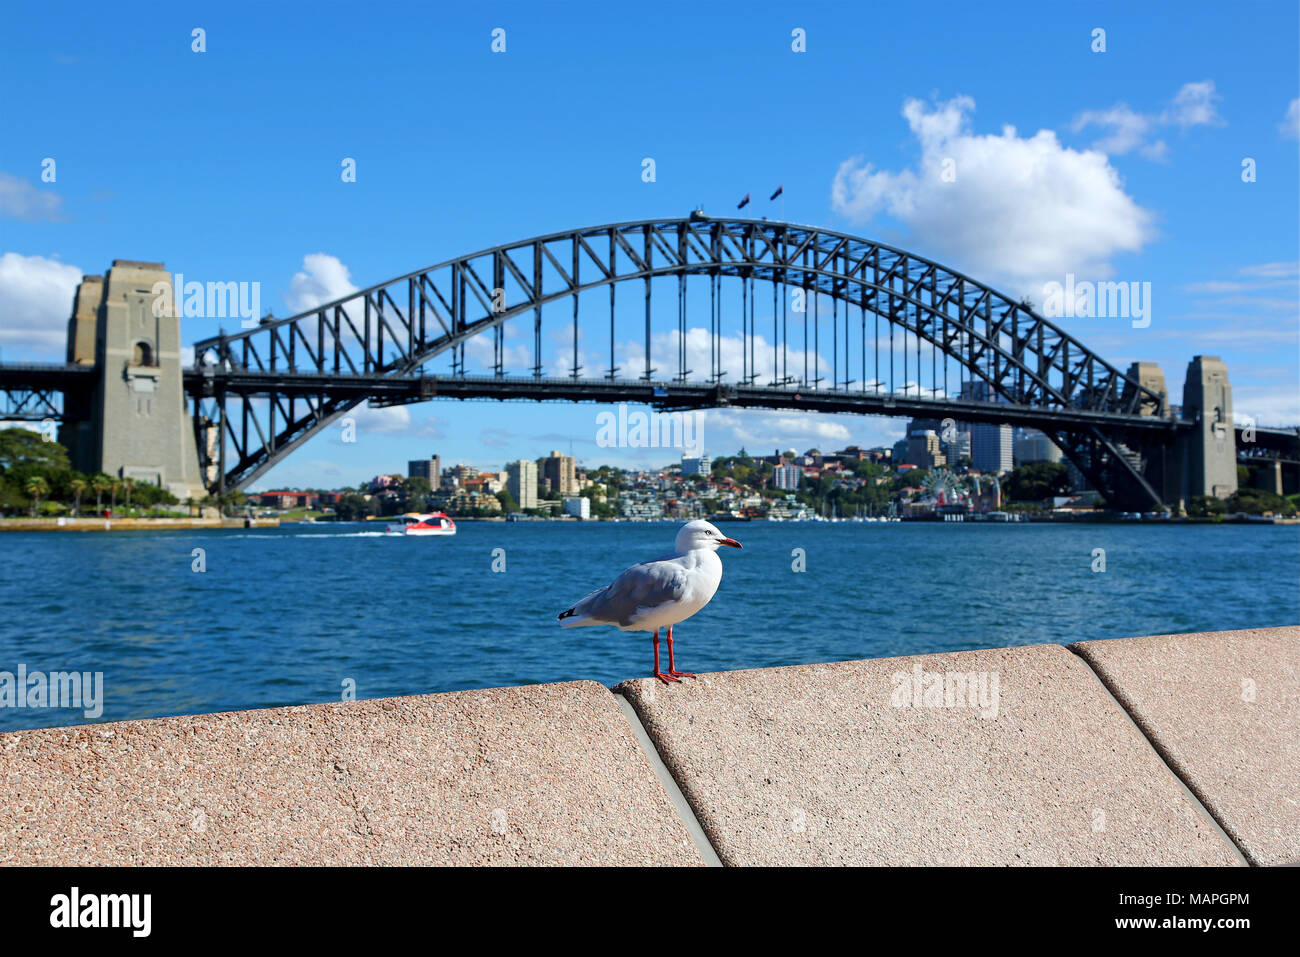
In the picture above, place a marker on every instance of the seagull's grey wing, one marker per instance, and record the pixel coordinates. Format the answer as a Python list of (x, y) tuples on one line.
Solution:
[(642, 586)]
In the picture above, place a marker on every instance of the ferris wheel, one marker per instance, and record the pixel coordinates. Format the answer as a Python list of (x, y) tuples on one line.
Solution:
[(943, 486)]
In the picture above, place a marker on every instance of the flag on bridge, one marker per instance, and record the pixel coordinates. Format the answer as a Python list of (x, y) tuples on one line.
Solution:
[(743, 203), (779, 190)]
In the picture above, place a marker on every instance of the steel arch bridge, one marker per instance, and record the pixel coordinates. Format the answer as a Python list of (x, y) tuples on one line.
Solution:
[(862, 313)]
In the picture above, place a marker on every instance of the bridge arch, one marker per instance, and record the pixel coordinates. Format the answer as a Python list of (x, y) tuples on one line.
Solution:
[(294, 376)]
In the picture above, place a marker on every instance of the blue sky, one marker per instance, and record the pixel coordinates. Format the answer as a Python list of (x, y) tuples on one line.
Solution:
[(1123, 164)]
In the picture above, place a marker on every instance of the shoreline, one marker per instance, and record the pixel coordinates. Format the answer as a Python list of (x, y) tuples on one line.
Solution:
[(145, 524), (127, 524)]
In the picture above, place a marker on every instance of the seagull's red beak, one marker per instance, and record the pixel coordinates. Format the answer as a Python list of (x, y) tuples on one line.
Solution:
[(732, 542)]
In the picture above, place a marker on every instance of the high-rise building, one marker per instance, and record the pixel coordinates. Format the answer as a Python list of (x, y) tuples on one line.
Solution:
[(521, 482), (430, 468), (560, 471), (699, 465), (955, 447), (923, 449), (1032, 445), (787, 477), (990, 447), (462, 473)]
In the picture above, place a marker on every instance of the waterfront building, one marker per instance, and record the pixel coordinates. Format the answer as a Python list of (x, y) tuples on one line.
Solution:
[(578, 506), (286, 498), (429, 469), (787, 477), (698, 465), (521, 481), (560, 471)]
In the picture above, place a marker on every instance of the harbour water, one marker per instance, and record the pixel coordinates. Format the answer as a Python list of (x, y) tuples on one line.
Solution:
[(305, 613)]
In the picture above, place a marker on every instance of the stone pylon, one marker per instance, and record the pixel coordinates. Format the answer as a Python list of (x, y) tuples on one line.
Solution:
[(140, 427), (1209, 456)]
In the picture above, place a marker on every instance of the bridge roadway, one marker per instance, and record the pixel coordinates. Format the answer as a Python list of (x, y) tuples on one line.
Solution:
[(662, 394), (28, 391)]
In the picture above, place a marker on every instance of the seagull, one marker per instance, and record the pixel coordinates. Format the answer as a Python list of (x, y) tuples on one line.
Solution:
[(659, 593)]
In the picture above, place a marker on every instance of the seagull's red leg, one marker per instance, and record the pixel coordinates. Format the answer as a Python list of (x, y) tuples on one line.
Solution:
[(671, 669), (665, 678)]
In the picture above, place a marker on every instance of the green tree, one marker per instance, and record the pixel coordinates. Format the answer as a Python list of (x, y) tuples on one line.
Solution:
[(100, 483), (21, 448), (1204, 506), (416, 492), (1257, 501), (36, 487), (1037, 481), (353, 507), (77, 487)]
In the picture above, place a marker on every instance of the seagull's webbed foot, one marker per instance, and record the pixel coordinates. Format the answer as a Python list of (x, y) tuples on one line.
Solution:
[(669, 678), (681, 674)]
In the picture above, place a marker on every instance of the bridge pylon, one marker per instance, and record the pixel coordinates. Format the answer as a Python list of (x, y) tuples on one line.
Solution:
[(1208, 454), (139, 426)]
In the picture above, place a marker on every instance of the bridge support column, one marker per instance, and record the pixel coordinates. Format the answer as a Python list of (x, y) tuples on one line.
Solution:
[(1268, 476), (1209, 454), (1159, 463), (139, 426), (78, 435)]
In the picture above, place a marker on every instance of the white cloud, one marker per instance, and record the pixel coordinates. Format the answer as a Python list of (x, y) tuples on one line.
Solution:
[(1193, 105), (22, 200), (383, 419), (1020, 210), (1290, 125), (1278, 270), (36, 300), (323, 278), (762, 429), (515, 360), (1128, 130), (1268, 405)]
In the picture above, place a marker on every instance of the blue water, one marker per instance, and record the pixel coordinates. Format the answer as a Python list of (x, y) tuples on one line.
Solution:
[(285, 616)]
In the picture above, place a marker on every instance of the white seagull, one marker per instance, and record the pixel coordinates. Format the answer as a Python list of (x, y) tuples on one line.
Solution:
[(659, 593)]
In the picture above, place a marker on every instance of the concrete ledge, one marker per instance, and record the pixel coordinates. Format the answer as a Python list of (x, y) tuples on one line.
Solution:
[(1223, 709), (1006, 756), (541, 774), (816, 765)]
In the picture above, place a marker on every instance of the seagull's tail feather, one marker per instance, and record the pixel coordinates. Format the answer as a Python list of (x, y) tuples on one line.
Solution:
[(579, 614)]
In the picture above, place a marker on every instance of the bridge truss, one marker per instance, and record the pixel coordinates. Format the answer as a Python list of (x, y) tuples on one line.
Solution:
[(797, 317)]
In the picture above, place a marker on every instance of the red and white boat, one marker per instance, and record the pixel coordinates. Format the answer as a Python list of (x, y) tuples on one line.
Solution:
[(423, 523)]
